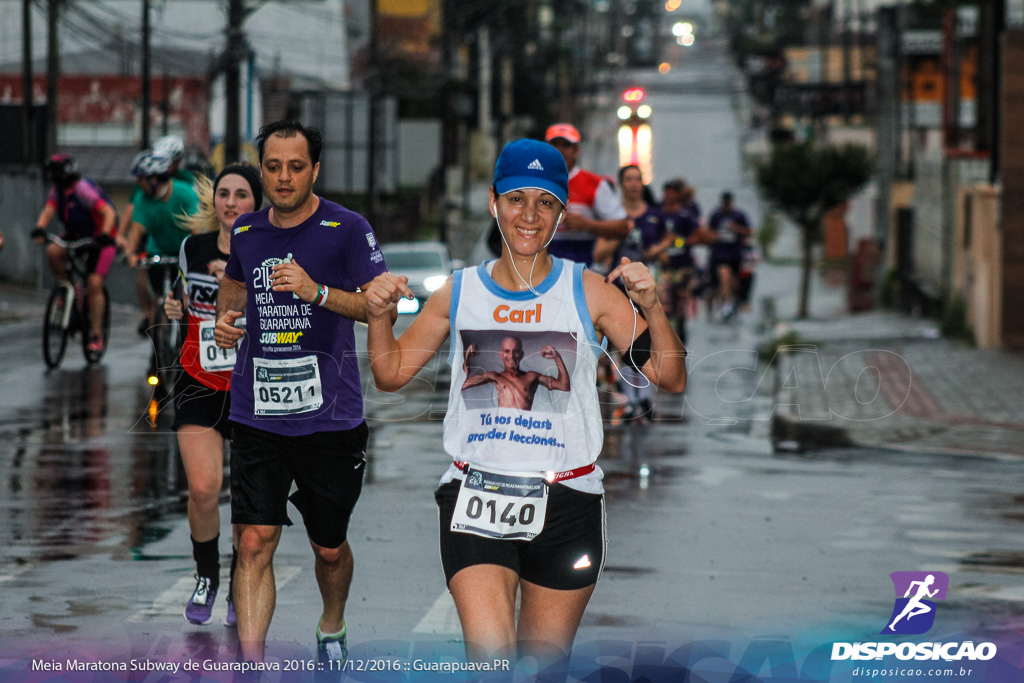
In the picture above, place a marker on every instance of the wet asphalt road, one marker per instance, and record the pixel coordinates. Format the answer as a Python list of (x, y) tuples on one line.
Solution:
[(711, 534)]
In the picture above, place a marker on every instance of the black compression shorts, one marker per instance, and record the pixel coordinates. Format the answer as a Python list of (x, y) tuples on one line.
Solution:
[(197, 404), (567, 555)]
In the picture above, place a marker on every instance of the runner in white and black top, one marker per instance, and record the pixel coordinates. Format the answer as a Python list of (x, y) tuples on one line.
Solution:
[(202, 394), (522, 504)]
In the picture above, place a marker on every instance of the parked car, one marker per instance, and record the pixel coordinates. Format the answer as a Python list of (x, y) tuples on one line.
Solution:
[(426, 264)]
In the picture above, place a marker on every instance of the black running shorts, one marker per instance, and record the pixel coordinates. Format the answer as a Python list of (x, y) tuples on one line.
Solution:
[(327, 468), (567, 555), (197, 404)]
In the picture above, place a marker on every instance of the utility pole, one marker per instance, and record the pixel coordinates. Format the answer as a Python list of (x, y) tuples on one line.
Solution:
[(484, 82), (373, 78), (28, 130), (165, 104), (232, 82), (146, 75), (52, 73), (888, 118), (847, 80), (449, 132), (991, 17)]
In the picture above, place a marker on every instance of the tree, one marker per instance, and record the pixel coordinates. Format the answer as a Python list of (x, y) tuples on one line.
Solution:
[(805, 181)]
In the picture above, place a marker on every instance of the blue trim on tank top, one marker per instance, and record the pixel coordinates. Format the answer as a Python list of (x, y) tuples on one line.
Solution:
[(496, 289), (584, 313), (453, 309)]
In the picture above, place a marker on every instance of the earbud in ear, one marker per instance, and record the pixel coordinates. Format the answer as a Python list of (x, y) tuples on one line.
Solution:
[(494, 211)]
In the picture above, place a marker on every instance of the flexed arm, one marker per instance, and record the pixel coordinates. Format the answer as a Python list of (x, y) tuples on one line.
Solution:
[(614, 316), (561, 381), (394, 362)]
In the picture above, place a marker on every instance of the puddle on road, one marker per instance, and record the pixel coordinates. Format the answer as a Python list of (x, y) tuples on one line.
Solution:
[(609, 620), (995, 561), (79, 476), (1014, 510), (631, 571), (52, 623)]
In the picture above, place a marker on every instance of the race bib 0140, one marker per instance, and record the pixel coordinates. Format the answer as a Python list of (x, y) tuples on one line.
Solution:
[(501, 505)]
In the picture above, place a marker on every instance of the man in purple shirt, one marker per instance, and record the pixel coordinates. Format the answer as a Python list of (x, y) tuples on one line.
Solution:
[(731, 228), (297, 408)]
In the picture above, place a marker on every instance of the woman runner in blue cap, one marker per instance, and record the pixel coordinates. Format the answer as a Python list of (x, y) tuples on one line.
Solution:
[(522, 504)]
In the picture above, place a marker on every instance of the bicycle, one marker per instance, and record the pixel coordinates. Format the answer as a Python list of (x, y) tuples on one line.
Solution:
[(67, 310), (165, 333)]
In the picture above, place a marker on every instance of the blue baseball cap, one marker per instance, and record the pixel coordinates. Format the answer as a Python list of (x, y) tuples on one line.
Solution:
[(532, 164)]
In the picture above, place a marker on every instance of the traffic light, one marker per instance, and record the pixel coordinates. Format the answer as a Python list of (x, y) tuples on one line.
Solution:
[(633, 95), (633, 112)]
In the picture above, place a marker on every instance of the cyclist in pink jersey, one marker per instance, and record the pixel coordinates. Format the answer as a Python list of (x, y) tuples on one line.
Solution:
[(86, 211)]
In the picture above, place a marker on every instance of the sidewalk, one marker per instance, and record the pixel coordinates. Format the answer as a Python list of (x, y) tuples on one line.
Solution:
[(883, 379)]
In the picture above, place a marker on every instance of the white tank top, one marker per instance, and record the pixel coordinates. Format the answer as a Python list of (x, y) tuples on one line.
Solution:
[(528, 402)]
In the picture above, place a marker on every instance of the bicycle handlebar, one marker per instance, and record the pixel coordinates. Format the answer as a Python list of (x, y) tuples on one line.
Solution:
[(74, 244), (157, 260)]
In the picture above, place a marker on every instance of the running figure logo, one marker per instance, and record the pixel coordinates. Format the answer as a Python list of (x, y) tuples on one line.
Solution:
[(914, 612)]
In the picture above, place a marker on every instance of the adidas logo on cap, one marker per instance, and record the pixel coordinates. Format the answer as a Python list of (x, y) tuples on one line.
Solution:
[(535, 165)]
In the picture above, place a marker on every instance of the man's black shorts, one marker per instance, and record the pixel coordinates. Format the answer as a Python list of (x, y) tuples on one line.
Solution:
[(197, 404), (327, 468), (568, 554), (733, 264)]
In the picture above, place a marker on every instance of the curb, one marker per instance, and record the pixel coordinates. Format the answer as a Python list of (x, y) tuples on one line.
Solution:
[(791, 434)]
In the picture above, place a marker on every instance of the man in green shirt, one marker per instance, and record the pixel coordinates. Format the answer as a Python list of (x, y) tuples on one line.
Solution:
[(157, 213), (169, 146)]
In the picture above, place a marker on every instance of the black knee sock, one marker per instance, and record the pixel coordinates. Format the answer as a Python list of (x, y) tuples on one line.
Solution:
[(207, 557)]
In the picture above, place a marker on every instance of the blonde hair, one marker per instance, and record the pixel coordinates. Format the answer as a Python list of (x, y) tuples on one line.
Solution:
[(205, 217)]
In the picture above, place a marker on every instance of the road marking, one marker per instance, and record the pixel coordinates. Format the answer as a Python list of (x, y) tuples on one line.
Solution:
[(15, 573), (171, 603), (442, 617)]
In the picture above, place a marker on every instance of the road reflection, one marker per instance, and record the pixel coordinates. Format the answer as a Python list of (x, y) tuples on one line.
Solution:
[(86, 471)]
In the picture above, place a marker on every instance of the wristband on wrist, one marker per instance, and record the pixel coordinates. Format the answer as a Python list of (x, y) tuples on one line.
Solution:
[(321, 297)]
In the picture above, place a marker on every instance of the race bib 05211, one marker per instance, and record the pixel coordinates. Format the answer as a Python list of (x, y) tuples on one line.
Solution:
[(286, 386)]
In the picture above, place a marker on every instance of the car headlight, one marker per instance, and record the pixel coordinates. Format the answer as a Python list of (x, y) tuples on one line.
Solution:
[(434, 282), (408, 305)]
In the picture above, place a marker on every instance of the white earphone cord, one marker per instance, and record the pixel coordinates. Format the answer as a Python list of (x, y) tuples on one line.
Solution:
[(529, 284), (612, 360)]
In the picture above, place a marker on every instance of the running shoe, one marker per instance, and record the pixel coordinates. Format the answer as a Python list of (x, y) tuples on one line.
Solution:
[(95, 344), (332, 648), (231, 619), (199, 609)]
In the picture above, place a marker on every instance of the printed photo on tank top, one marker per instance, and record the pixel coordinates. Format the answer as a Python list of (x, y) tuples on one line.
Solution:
[(520, 370), (523, 394)]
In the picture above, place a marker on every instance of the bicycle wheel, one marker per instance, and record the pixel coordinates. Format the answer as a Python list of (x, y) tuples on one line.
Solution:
[(95, 356), (56, 324), (165, 335)]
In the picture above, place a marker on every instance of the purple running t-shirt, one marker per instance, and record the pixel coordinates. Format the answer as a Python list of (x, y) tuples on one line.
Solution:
[(297, 372)]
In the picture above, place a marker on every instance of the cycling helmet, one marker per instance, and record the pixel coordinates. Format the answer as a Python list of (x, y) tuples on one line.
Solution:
[(150, 164), (171, 147), (59, 166), (137, 162)]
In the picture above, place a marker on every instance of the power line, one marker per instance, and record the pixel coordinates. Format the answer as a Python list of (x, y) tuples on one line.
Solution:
[(128, 20)]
